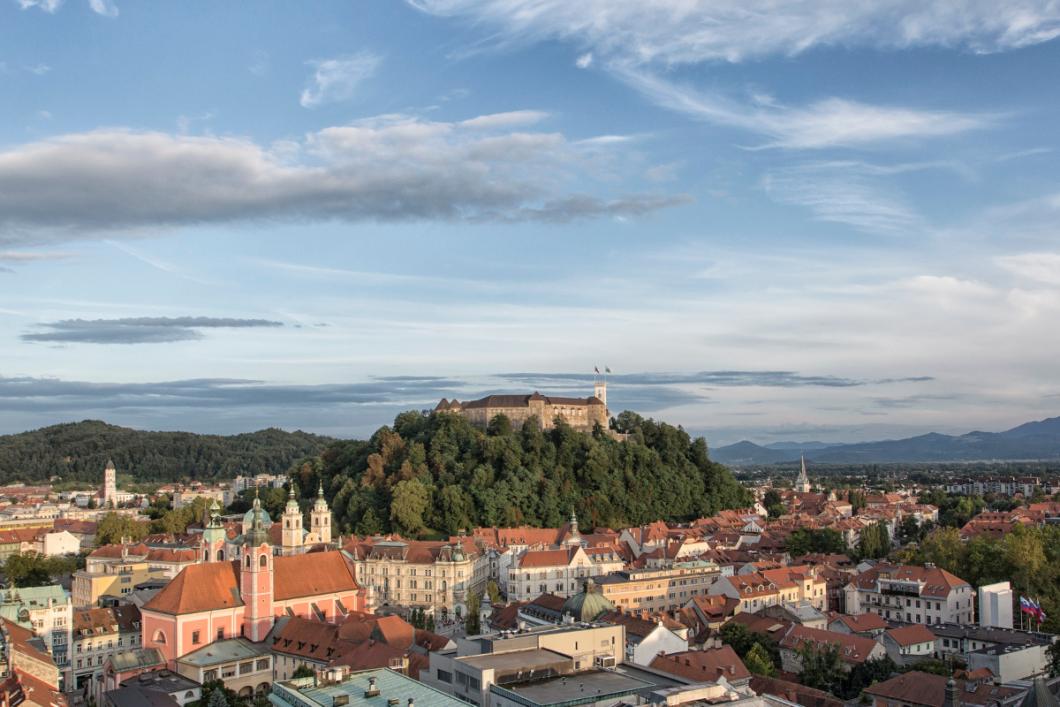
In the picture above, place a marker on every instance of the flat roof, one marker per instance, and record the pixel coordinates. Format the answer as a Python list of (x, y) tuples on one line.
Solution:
[(590, 686), (528, 660), (226, 651), (391, 685)]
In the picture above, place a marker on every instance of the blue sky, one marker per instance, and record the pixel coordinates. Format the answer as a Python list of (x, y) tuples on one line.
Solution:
[(801, 220)]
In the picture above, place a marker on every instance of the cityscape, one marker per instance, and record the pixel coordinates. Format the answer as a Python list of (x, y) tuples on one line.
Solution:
[(529, 353)]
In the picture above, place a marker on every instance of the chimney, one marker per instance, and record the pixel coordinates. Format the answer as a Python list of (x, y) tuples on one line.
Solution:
[(412, 703), (951, 694), (372, 690)]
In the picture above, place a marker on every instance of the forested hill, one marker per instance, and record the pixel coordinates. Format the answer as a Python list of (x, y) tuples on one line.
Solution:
[(79, 451), (438, 474)]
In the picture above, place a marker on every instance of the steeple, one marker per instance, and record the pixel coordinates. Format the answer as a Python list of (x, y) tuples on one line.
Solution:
[(256, 578), (802, 484), (320, 518), (213, 536), (293, 539), (573, 537)]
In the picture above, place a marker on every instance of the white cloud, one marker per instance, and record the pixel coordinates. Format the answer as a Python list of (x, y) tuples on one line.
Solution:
[(337, 79), (1039, 267), (38, 69), (584, 61), (49, 6), (391, 167), (826, 123), (672, 32), (103, 7)]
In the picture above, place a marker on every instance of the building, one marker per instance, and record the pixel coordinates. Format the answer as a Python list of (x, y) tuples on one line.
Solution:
[(154, 688), (215, 600), (560, 571), (995, 605), (909, 645), (437, 576), (109, 496), (478, 663), (922, 595), (46, 612), (98, 634), (28, 676), (121, 667), (244, 666), (707, 665), (662, 589), (802, 483), (367, 688), (114, 570), (853, 650), (580, 413), (918, 689), (768, 587), (294, 538), (648, 638)]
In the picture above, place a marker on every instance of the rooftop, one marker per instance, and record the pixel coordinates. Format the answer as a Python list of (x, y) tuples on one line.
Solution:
[(579, 688), (227, 651), (528, 661), (391, 686)]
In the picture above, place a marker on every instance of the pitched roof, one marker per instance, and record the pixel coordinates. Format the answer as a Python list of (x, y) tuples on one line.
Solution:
[(544, 558), (919, 688), (793, 692), (852, 649), (862, 623), (703, 666), (911, 635), (934, 581), (202, 587), (312, 575)]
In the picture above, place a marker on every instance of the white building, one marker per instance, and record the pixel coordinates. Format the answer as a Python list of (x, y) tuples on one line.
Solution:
[(920, 595), (48, 612), (995, 605)]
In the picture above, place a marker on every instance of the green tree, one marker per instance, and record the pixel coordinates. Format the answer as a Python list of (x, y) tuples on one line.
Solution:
[(865, 674), (409, 504), (758, 661), (113, 527), (943, 547), (494, 592), (472, 623), (772, 502), (28, 570), (303, 671), (822, 667), (738, 637), (217, 699)]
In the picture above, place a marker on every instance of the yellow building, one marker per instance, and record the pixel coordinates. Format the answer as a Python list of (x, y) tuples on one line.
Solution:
[(580, 413), (117, 569), (659, 589)]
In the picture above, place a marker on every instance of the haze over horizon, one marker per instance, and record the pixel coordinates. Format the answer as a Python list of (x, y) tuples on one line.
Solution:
[(837, 222)]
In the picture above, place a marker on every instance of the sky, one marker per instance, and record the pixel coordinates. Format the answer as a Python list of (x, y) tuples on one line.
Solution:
[(825, 220)]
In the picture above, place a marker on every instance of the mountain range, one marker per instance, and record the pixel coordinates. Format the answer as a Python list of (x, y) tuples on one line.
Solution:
[(1038, 440)]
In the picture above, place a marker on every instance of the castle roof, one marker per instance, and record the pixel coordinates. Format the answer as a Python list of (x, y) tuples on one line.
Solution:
[(516, 401)]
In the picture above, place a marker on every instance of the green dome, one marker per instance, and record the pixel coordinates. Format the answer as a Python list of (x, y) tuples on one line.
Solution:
[(588, 604)]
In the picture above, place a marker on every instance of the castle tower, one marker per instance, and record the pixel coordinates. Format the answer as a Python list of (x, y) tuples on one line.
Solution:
[(256, 578), (320, 518), (110, 486), (213, 536), (574, 538), (600, 391), (802, 484), (292, 538)]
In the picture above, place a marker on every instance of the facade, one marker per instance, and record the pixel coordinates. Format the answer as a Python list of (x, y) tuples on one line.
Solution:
[(560, 571), (580, 413), (114, 570), (99, 634), (437, 576), (243, 666), (647, 639), (909, 645), (995, 605), (28, 676), (663, 589), (47, 613), (769, 587), (216, 600), (922, 595)]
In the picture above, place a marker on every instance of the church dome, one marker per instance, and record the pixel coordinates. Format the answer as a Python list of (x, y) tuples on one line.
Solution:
[(260, 513), (588, 604)]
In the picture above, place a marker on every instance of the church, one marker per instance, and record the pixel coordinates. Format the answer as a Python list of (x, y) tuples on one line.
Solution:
[(230, 595), (580, 413)]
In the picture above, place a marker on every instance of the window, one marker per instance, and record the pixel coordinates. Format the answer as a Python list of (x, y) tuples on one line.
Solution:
[(196, 638), (247, 667), (443, 676), (264, 561), (247, 563), (221, 634), (160, 637), (263, 663)]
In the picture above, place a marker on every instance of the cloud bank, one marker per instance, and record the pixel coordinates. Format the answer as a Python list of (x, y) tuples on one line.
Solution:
[(137, 330), (386, 168)]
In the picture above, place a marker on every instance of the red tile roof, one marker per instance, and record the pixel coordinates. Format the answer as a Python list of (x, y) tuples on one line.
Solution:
[(852, 649), (929, 690), (911, 635), (862, 623), (703, 666), (793, 692)]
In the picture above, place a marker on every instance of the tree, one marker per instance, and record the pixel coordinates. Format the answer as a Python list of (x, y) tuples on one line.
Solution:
[(774, 506), (408, 506), (909, 530), (217, 699), (821, 667), (738, 637), (824, 540), (113, 527), (303, 671), (758, 661), (943, 547), (865, 674), (430, 623), (28, 570), (472, 624), (500, 425), (1054, 659), (875, 541), (494, 592)]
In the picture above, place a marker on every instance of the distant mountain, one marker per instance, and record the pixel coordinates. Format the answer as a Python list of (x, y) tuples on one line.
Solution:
[(1038, 440), (80, 450), (798, 446)]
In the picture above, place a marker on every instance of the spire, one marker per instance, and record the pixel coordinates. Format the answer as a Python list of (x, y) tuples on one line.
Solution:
[(320, 490)]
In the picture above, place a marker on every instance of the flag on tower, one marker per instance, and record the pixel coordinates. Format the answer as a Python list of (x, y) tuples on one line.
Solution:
[(596, 369), (606, 369)]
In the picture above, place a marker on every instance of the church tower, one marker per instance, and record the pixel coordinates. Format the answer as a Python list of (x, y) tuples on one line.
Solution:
[(110, 486), (574, 538), (292, 538), (256, 577), (320, 518), (214, 536), (802, 484)]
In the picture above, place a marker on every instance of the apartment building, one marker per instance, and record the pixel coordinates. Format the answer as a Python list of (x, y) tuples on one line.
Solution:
[(114, 570), (769, 587), (663, 589), (913, 594), (98, 634), (558, 571), (47, 612)]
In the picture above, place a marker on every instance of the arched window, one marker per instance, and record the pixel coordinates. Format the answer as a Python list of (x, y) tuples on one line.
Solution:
[(264, 561), (206, 556), (248, 562), (220, 555), (160, 637)]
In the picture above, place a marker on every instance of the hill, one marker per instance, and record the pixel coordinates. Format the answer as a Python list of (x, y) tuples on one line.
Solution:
[(78, 451), (438, 474), (1039, 440)]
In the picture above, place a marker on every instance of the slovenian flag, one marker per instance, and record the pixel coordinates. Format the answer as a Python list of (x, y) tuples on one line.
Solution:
[(1038, 613), (1027, 606)]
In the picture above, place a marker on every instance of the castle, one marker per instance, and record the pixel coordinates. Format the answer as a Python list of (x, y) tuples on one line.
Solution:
[(580, 413)]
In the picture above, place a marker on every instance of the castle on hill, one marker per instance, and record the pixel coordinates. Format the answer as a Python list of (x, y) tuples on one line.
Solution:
[(580, 413)]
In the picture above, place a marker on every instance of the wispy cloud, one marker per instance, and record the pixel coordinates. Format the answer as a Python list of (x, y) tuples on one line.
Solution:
[(104, 7), (768, 379), (387, 168), (49, 6), (1037, 267), (137, 330), (338, 79), (832, 122)]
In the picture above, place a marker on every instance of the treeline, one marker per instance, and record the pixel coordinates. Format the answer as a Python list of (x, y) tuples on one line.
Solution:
[(437, 474), (79, 451)]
